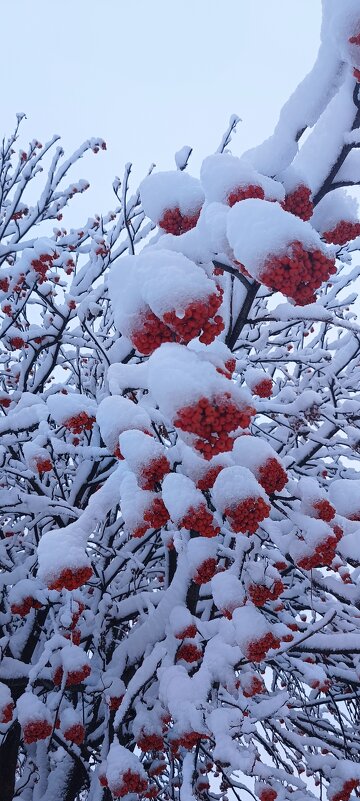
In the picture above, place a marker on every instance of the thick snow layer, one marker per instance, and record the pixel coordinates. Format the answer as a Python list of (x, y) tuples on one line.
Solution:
[(139, 449), (233, 485), (257, 229), (31, 709), (127, 376), (169, 190), (58, 550), (336, 206), (253, 452), (115, 415), (134, 502), (63, 407), (119, 761), (179, 494), (249, 624), (344, 493), (227, 591), (221, 173)]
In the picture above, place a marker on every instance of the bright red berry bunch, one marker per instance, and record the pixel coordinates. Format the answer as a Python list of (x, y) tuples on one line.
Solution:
[(198, 316), (342, 233), (205, 571), (212, 420), (154, 472), (151, 333), (75, 733), (17, 343), (257, 650), (208, 479), (246, 516), (189, 632), (299, 203), (6, 713), (267, 794), (176, 223), (189, 652), (200, 520), (80, 422), (322, 556), (37, 730), (44, 465), (298, 273), (351, 784), (157, 515), (245, 192), (114, 702), (150, 742), (264, 388), (324, 510), (253, 687), (131, 782), (190, 739), (25, 606), (42, 265), (71, 578), (260, 593), (73, 677), (272, 476)]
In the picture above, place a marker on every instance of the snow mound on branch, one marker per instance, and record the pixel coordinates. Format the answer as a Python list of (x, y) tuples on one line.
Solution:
[(161, 191), (63, 407), (222, 173), (179, 494), (257, 229), (335, 206), (345, 495), (235, 484), (60, 551), (115, 415)]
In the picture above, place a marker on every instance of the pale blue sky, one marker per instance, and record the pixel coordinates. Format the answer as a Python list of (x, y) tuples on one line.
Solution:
[(151, 76)]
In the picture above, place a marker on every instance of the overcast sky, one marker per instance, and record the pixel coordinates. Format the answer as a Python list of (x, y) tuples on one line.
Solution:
[(150, 77)]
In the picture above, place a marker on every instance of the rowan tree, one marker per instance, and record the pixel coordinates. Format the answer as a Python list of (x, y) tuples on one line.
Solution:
[(180, 436)]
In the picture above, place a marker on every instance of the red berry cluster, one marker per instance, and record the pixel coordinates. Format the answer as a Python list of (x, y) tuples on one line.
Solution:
[(267, 794), (191, 738), (264, 388), (151, 333), (189, 652), (299, 202), (324, 510), (130, 782), (257, 650), (42, 265), (72, 676), (213, 420), (322, 556), (154, 472), (356, 74), (260, 594), (150, 742), (17, 343), (342, 233), (205, 571), (37, 730), (255, 686), (247, 515), (272, 476), (157, 768), (6, 713), (198, 316), (114, 702), (4, 284), (80, 422), (208, 479), (71, 578), (355, 517), (200, 520), (348, 786), (103, 780), (75, 733), (245, 192), (74, 636), (190, 632), (298, 273), (176, 223), (44, 465), (355, 39), (157, 515), (25, 606)]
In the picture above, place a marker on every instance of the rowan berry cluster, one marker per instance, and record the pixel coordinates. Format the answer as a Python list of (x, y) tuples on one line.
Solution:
[(42, 265), (260, 593), (298, 273), (212, 420), (43, 465), (322, 556), (324, 510), (190, 632), (246, 516), (25, 606), (190, 739), (264, 388), (6, 713), (70, 578), (348, 786), (205, 571), (200, 520), (253, 687), (151, 333), (189, 652), (131, 782), (176, 223), (75, 733), (150, 742), (200, 315), (36, 730), (73, 677), (80, 422), (272, 476), (208, 479), (245, 192), (267, 794), (299, 203), (157, 515), (257, 650), (154, 472), (114, 702), (342, 233), (17, 343)]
